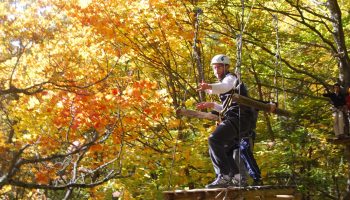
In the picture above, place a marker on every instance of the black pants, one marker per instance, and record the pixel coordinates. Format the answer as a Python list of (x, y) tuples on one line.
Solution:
[(225, 137)]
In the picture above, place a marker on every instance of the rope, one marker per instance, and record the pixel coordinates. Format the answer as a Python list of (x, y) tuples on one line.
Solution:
[(196, 52), (278, 66), (239, 41), (177, 136), (173, 158), (246, 24), (196, 55), (238, 70), (239, 37)]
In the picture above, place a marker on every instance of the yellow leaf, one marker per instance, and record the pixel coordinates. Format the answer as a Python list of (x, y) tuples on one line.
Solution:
[(33, 101)]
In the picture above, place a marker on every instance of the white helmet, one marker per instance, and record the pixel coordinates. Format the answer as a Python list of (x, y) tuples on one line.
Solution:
[(221, 58)]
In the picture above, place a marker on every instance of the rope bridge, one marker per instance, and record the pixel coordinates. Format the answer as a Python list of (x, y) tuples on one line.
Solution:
[(254, 192)]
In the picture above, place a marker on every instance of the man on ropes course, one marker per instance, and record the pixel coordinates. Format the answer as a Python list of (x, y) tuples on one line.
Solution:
[(236, 123), (339, 111)]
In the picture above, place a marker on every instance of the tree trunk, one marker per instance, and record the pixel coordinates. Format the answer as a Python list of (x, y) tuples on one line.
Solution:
[(343, 60), (338, 35)]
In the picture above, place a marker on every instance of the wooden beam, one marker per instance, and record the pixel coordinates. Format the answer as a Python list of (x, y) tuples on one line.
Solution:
[(343, 141), (197, 114), (259, 192), (242, 100)]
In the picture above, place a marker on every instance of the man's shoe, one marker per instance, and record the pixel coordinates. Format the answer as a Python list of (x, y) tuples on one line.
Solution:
[(234, 182), (222, 181), (239, 183), (243, 183)]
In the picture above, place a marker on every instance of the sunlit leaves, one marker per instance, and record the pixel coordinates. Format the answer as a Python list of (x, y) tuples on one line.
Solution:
[(95, 82), (81, 104)]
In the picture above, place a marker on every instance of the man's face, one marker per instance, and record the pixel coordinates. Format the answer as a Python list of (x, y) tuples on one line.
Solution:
[(336, 89), (219, 70)]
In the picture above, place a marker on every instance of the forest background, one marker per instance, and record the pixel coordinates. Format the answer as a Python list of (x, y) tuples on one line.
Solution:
[(89, 91)]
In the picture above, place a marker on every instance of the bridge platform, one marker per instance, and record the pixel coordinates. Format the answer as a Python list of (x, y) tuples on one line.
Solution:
[(267, 192)]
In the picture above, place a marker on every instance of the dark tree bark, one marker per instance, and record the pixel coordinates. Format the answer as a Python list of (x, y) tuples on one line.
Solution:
[(343, 59), (339, 39)]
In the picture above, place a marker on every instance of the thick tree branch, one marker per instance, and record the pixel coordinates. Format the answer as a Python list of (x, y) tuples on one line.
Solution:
[(109, 176)]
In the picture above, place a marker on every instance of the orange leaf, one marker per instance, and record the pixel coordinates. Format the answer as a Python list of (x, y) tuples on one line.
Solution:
[(115, 91), (96, 147), (42, 178)]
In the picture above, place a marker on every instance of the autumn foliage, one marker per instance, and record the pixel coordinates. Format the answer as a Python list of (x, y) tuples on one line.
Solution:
[(71, 106), (89, 89)]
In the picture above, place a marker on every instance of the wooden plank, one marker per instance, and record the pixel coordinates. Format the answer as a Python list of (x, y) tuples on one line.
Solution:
[(343, 141), (258, 105), (282, 196), (263, 192), (197, 114), (240, 100)]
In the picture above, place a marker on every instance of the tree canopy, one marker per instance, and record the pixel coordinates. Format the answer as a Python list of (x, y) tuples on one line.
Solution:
[(89, 91)]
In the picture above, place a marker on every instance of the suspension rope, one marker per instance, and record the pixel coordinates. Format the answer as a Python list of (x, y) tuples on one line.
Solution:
[(196, 55), (238, 73), (239, 41), (278, 65), (196, 51), (174, 157), (183, 104), (239, 37), (251, 9)]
